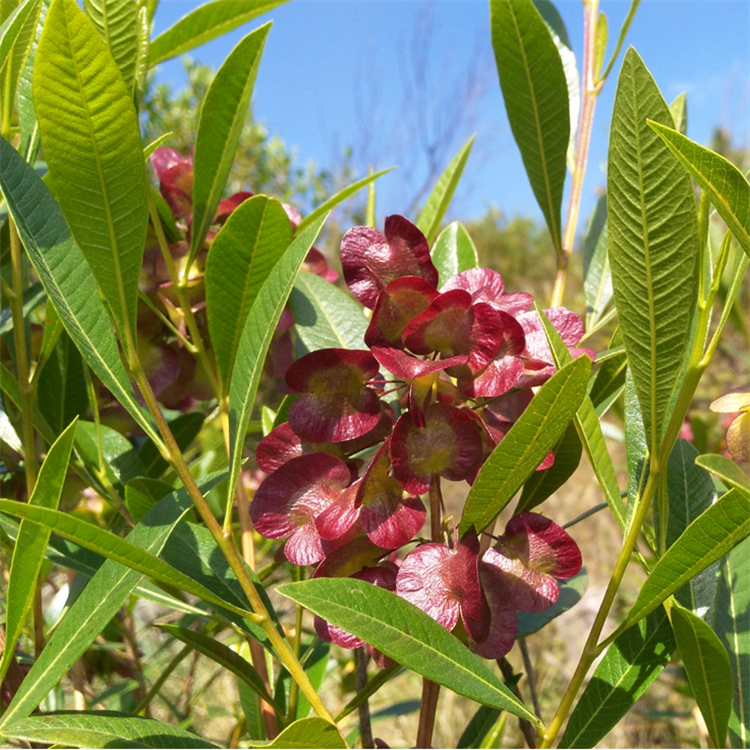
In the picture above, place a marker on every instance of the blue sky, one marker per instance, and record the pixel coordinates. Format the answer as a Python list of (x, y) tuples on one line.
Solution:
[(338, 73)]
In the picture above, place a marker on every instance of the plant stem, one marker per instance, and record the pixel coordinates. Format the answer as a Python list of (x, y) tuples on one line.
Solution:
[(592, 649), (530, 676), (527, 728), (226, 545), (365, 725), (590, 92), (430, 690)]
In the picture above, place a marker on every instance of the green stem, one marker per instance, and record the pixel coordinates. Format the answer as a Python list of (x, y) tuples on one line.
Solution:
[(591, 649), (227, 547)]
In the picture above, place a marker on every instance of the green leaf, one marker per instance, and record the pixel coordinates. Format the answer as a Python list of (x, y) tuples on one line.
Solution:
[(707, 666), (314, 660), (725, 469), (453, 252), (597, 278), (600, 47), (635, 445), (678, 110), (221, 120), (726, 186), (120, 459), (305, 733), (406, 634), (707, 539), (255, 340), (559, 35), (223, 655), (62, 393), (535, 91), (117, 24), (97, 605), (32, 298), (148, 150), (242, 255), (16, 38), (691, 492), (8, 432), (541, 484), (31, 544), (142, 493), (609, 382), (9, 386), (340, 197), (529, 440), (653, 244), (629, 666), (66, 276), (101, 729), (93, 149), (324, 316), (206, 23), (571, 592), (476, 730), (115, 548), (184, 428), (439, 199), (732, 625), (27, 124)]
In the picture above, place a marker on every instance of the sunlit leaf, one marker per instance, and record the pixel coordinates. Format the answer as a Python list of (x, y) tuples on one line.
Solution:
[(597, 278), (206, 23), (437, 203), (93, 149), (305, 733), (406, 634), (242, 255), (653, 244), (256, 338), (726, 186), (221, 120), (725, 469), (629, 666), (707, 666), (102, 729), (529, 440), (31, 543), (117, 24), (535, 91), (453, 252)]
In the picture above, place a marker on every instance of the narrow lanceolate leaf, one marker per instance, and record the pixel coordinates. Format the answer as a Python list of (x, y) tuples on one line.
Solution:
[(206, 23), (184, 429), (406, 634), (27, 124), (66, 276), (725, 184), (526, 444), (16, 38), (708, 670), (8, 432), (325, 317), (32, 298), (97, 604), (62, 393), (242, 255), (597, 278), (114, 547), (453, 252), (535, 91), (93, 149), (678, 109), (560, 37), (629, 666), (691, 492), (340, 197), (653, 243), (305, 733), (222, 117), (101, 729), (732, 625), (589, 429), (31, 545), (223, 655), (711, 536), (117, 24), (725, 469), (255, 340), (437, 203), (635, 445)]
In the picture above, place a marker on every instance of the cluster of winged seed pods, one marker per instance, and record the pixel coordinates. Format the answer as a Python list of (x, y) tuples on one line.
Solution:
[(446, 374)]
